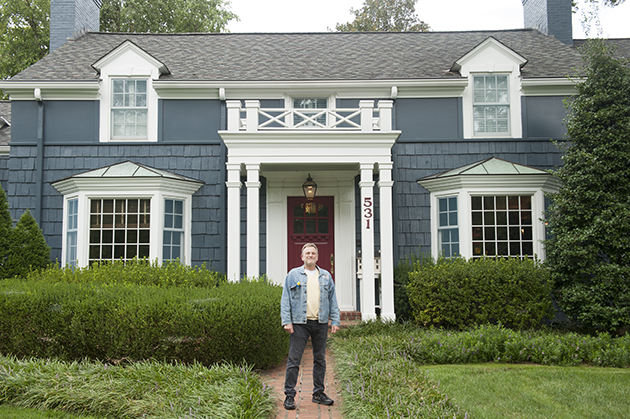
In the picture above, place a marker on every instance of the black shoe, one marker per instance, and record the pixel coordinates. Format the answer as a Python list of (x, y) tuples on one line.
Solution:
[(289, 403), (322, 398)]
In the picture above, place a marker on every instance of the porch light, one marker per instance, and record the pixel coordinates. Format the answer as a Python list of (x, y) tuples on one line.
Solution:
[(309, 187)]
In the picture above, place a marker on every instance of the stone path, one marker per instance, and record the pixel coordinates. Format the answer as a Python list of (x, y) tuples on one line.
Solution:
[(306, 409)]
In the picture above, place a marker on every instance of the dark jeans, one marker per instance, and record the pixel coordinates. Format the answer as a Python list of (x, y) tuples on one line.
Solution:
[(318, 333)]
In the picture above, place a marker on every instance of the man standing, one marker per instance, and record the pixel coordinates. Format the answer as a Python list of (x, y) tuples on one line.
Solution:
[(308, 302)]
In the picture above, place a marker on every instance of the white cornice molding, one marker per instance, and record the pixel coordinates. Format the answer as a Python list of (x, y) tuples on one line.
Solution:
[(549, 86), (58, 90), (544, 181), (4, 150), (309, 147), (125, 185), (357, 89)]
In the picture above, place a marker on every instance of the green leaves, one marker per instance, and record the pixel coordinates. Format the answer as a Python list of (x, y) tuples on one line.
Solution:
[(459, 293), (385, 16), (590, 215), (165, 16)]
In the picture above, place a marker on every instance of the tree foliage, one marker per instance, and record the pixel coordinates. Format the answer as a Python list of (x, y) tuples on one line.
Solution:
[(6, 225), (384, 16), (28, 250), (24, 34), (589, 256), (165, 16)]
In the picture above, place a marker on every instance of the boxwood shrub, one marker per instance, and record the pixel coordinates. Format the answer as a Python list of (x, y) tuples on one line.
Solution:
[(120, 322), (459, 293)]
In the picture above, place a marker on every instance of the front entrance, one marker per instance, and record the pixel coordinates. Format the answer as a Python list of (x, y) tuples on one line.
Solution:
[(311, 221)]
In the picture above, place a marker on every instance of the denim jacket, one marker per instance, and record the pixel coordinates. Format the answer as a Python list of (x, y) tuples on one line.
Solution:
[(293, 305)]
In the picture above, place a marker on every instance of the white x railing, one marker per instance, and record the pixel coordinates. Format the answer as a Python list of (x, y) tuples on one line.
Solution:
[(365, 118)]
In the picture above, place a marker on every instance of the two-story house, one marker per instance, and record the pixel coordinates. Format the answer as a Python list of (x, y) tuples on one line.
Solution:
[(235, 149)]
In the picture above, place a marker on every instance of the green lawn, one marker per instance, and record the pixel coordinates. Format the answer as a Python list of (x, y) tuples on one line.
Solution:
[(9, 412), (531, 391)]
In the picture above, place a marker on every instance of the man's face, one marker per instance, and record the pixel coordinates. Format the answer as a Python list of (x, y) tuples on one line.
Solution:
[(310, 256)]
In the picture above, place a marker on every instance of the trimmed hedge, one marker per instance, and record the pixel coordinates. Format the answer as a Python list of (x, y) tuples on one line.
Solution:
[(460, 293), (136, 271), (117, 323)]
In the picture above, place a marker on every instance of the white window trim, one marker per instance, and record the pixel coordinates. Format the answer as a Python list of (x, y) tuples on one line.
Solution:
[(492, 58), (331, 100), (155, 192), (465, 215), (105, 129), (128, 61)]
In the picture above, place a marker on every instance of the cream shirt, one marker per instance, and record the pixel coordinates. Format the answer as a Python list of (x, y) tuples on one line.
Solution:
[(312, 295)]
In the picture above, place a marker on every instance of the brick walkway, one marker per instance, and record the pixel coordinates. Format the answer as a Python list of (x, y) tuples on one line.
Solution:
[(306, 409)]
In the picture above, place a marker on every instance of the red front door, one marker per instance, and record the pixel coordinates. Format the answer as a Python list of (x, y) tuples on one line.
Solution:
[(311, 222)]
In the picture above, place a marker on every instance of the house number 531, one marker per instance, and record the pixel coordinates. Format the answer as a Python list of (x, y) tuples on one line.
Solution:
[(367, 210)]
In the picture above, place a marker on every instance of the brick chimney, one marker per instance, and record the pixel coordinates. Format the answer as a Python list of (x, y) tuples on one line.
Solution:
[(551, 17), (72, 18)]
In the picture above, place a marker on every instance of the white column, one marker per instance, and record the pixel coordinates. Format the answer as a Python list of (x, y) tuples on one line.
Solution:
[(367, 114), (385, 115), (233, 221), (252, 107), (385, 184), (233, 115), (253, 220), (366, 184)]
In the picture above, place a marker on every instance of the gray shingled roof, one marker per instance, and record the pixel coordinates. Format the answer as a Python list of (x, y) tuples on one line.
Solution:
[(306, 56), (5, 122)]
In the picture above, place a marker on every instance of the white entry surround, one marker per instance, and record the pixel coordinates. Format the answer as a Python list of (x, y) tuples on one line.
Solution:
[(334, 158)]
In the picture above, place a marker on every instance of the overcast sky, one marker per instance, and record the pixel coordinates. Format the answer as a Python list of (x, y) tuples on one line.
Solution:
[(451, 15)]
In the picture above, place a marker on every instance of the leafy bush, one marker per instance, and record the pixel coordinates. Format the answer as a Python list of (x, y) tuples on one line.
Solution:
[(492, 343), (136, 271), (379, 381), (589, 217), (6, 224), (29, 250), (459, 293), (127, 322), (139, 390), (402, 307)]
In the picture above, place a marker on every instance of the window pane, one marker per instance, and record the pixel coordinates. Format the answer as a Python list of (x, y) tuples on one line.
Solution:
[(323, 226), (311, 226), (495, 237), (298, 226), (118, 228)]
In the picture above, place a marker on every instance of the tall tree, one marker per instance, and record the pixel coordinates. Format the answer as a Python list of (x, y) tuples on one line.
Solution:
[(589, 255), (384, 15), (165, 16), (589, 11), (24, 34)]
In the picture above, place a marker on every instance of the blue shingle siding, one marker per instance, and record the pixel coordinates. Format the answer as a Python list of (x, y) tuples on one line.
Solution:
[(4, 172), (207, 212), (412, 224)]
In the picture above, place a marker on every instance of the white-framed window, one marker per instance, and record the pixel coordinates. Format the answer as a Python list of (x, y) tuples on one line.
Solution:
[(112, 217), (173, 230), (491, 104), (72, 231), (502, 225), (310, 112), (448, 228), (496, 206), (129, 109), (119, 229)]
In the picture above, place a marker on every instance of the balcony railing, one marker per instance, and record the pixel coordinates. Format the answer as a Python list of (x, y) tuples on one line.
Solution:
[(365, 118)]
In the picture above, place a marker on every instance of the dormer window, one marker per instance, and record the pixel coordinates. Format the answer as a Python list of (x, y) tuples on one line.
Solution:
[(491, 105), (129, 109)]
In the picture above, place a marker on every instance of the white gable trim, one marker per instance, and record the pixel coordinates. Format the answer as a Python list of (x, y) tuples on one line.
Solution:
[(492, 57)]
